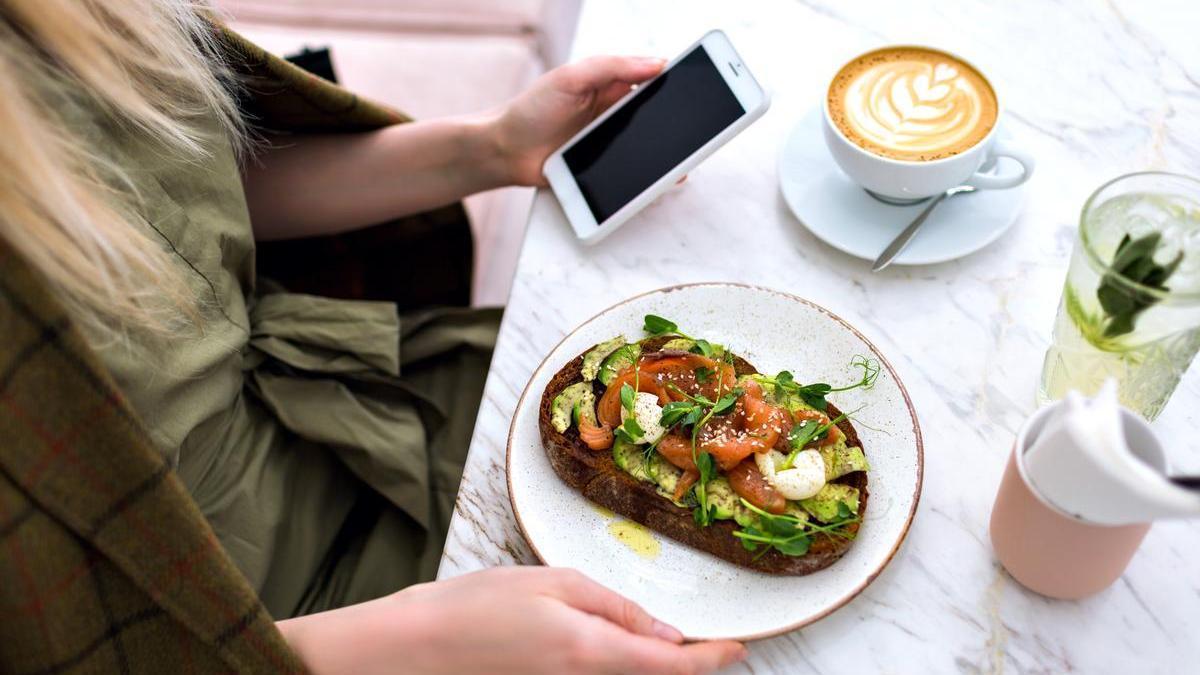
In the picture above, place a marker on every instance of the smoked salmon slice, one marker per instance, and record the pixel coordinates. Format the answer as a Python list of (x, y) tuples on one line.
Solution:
[(609, 407), (596, 437), (750, 485)]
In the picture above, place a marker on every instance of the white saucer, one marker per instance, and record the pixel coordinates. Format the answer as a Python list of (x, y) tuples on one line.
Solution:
[(843, 215)]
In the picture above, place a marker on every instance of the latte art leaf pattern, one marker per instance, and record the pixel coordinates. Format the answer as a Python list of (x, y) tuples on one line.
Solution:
[(913, 106)]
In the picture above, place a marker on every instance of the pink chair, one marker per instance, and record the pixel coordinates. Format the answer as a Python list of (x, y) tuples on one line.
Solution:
[(431, 58)]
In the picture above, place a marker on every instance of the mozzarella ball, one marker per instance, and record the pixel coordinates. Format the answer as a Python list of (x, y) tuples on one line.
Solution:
[(804, 479), (648, 414)]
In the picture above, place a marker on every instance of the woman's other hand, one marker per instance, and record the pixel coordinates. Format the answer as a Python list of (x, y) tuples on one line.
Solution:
[(560, 103), (502, 620)]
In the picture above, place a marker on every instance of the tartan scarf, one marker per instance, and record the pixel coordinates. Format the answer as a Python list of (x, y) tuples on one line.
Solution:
[(106, 564)]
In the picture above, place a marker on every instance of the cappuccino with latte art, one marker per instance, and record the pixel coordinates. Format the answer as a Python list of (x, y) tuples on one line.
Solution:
[(912, 104)]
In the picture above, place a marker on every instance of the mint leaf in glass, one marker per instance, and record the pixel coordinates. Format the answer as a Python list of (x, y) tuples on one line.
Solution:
[(1133, 261)]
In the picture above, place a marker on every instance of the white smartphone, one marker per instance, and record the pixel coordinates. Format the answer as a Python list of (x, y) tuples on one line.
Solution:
[(654, 136)]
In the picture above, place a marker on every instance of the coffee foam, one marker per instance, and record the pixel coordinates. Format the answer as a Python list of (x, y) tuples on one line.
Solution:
[(912, 103)]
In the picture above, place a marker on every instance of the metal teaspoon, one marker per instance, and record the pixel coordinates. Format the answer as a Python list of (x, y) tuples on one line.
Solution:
[(893, 249)]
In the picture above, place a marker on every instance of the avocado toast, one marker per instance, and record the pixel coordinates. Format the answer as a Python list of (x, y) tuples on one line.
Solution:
[(690, 440)]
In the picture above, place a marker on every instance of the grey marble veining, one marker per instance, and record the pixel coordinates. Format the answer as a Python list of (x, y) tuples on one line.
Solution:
[(1094, 90)]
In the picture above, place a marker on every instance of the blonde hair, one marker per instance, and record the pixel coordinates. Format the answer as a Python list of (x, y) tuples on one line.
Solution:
[(152, 67)]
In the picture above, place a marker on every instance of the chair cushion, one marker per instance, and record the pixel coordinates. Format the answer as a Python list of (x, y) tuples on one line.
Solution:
[(511, 16), (498, 219), (423, 74)]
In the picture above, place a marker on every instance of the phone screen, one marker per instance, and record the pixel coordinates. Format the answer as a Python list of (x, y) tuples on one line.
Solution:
[(663, 124)]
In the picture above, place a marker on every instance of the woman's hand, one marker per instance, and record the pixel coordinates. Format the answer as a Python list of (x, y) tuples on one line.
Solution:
[(560, 103), (502, 620)]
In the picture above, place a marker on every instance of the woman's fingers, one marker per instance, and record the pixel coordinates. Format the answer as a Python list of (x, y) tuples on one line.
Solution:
[(580, 592), (710, 656), (610, 95), (629, 639), (637, 654), (598, 72)]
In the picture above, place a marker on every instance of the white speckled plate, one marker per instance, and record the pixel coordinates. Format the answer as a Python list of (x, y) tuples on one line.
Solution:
[(843, 215), (774, 331)]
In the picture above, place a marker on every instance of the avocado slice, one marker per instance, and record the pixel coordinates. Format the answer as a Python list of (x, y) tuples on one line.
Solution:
[(629, 458), (796, 511), (723, 498), (729, 505), (790, 400), (574, 402), (619, 360), (747, 518), (688, 345), (824, 505), (682, 344), (593, 359), (665, 476), (841, 459)]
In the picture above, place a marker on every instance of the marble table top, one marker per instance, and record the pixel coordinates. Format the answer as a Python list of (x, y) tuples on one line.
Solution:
[(1094, 90)]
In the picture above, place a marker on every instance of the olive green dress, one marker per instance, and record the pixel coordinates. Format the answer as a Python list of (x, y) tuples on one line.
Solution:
[(322, 439)]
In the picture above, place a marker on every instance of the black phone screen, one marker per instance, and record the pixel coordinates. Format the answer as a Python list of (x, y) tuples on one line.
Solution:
[(663, 124)]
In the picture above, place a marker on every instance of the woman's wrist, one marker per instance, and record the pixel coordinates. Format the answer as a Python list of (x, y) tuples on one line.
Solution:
[(310, 637), (340, 640), (488, 151)]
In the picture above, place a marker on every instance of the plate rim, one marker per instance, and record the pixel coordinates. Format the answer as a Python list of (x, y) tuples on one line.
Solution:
[(917, 490), (900, 259)]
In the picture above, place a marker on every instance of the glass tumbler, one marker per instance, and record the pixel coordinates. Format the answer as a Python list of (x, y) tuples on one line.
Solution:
[(1130, 307)]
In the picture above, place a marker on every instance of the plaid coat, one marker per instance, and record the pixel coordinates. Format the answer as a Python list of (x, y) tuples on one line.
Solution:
[(106, 564)]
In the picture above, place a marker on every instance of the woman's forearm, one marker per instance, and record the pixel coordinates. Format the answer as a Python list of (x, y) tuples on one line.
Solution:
[(310, 185), (343, 640), (324, 184)]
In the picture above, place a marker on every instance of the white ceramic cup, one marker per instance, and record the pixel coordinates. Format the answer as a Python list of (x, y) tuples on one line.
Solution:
[(906, 181)]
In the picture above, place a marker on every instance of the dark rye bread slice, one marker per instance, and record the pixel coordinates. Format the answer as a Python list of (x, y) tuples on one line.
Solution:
[(602, 481)]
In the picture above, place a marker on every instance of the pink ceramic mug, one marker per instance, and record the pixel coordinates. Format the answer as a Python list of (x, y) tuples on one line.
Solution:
[(1049, 551)]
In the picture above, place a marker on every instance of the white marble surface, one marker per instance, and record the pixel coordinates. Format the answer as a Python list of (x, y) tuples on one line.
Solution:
[(1095, 90)]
